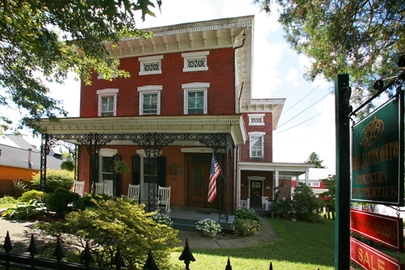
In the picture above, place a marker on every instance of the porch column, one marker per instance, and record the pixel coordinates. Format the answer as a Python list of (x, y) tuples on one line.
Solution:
[(307, 177), (93, 143), (47, 141), (276, 182)]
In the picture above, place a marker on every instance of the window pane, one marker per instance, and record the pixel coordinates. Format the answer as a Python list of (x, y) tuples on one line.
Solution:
[(107, 168), (107, 106), (195, 102), (256, 145), (150, 103)]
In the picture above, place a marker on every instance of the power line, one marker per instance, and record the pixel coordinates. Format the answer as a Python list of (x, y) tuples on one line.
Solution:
[(304, 111), (302, 99)]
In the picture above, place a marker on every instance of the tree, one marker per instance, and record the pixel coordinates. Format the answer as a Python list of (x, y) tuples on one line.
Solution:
[(362, 38), (42, 41), (314, 159)]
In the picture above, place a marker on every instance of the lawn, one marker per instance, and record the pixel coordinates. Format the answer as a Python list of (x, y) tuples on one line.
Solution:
[(302, 246)]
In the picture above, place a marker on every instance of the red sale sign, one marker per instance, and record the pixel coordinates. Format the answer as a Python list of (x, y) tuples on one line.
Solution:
[(370, 258), (382, 229)]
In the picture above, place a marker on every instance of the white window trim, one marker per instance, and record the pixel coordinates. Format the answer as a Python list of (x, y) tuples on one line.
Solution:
[(105, 93), (195, 55), (150, 89), (252, 116), (195, 87), (256, 134), (147, 60)]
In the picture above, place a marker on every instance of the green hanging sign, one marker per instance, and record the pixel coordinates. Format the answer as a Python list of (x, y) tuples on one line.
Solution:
[(378, 155)]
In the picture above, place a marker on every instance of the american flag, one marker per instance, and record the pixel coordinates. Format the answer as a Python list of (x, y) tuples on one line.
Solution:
[(215, 171)]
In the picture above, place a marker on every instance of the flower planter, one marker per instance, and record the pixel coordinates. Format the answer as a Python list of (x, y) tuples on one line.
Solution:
[(209, 234)]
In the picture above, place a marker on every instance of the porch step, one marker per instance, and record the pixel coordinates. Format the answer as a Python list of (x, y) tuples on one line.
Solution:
[(184, 224), (262, 212)]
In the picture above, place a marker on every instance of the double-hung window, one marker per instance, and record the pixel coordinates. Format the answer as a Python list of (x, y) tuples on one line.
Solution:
[(150, 65), (195, 98), (107, 102), (149, 99), (195, 61), (256, 144)]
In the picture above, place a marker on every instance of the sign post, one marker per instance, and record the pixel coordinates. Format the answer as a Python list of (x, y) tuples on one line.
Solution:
[(342, 222)]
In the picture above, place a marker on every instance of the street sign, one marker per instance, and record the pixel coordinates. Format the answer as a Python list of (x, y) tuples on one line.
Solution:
[(370, 258), (377, 156), (382, 229)]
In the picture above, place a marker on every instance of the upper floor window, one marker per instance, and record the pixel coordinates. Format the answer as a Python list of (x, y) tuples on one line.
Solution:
[(256, 119), (195, 98), (107, 102), (149, 100), (256, 144), (150, 65), (196, 61)]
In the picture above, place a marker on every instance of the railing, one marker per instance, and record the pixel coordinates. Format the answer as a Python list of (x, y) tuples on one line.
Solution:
[(15, 261)]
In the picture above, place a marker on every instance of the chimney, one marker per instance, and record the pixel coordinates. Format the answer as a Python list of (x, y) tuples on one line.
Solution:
[(29, 158)]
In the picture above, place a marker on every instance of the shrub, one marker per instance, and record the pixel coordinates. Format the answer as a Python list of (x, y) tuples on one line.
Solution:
[(7, 199), (19, 187), (244, 226), (32, 194), (247, 221), (114, 223), (283, 208), (89, 201), (59, 201), (306, 204), (25, 210), (243, 213), (54, 179)]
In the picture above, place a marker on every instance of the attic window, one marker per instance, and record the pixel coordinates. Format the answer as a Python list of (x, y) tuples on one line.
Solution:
[(256, 119), (150, 65), (196, 61)]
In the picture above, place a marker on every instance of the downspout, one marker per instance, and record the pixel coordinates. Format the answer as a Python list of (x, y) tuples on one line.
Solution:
[(236, 154)]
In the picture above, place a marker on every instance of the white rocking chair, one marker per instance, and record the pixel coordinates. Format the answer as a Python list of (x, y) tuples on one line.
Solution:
[(78, 187), (99, 188), (133, 192), (164, 197)]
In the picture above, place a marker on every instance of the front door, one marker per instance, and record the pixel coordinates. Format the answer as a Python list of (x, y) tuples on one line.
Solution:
[(197, 179), (256, 192)]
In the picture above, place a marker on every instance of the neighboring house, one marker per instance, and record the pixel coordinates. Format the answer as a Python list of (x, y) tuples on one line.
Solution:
[(20, 160), (188, 96), (315, 177)]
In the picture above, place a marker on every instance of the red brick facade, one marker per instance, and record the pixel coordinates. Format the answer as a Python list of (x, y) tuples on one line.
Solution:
[(220, 76)]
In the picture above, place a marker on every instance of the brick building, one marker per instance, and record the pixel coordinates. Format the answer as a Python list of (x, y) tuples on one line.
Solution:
[(188, 96)]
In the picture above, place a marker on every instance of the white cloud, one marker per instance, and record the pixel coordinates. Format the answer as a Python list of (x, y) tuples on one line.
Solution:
[(292, 77)]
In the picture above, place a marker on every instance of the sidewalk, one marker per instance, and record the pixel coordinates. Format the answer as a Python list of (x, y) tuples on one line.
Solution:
[(20, 235)]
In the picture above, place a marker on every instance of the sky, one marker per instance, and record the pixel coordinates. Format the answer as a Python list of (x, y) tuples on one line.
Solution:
[(307, 122)]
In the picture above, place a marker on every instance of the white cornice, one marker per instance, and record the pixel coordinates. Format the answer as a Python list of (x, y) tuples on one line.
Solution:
[(232, 124)]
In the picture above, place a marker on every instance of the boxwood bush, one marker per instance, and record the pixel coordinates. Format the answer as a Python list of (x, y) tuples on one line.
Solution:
[(54, 179)]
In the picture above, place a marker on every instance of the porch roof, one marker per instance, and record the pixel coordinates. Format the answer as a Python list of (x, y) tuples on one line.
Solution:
[(288, 169), (189, 124)]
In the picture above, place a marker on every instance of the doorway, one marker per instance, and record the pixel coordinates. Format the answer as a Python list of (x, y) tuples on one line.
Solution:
[(197, 180), (256, 192)]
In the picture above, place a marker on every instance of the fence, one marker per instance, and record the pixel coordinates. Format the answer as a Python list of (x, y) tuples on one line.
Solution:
[(8, 188), (15, 261)]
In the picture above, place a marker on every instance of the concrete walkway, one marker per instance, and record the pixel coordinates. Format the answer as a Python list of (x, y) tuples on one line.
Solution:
[(20, 234)]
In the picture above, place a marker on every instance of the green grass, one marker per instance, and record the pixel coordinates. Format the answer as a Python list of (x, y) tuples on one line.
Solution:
[(6, 205), (302, 246)]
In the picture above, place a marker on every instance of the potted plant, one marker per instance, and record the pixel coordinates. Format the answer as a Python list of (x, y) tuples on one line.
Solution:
[(162, 219), (121, 167), (209, 227)]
